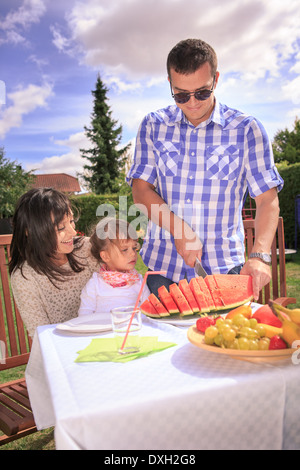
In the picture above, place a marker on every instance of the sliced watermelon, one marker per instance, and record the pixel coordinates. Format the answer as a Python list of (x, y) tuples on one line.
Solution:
[(199, 296), (159, 307), (167, 300), (148, 309), (187, 292), (206, 292), (180, 300), (241, 282), (236, 289), (215, 292)]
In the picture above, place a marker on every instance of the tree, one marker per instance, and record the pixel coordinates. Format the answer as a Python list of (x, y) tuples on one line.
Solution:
[(105, 159), (286, 145), (14, 182)]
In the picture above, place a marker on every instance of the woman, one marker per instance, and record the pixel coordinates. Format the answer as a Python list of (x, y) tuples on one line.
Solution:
[(49, 265)]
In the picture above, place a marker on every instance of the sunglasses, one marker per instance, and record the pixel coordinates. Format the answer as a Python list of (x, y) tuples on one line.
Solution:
[(200, 95)]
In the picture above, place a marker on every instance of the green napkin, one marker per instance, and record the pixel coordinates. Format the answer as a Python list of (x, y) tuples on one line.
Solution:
[(104, 350)]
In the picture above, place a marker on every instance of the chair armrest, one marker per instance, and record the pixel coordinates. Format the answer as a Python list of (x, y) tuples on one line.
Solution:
[(284, 301)]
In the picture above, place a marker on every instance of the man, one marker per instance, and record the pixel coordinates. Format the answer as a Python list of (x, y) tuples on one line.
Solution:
[(193, 164)]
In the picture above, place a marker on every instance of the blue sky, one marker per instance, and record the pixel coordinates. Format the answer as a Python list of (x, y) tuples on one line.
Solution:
[(52, 50)]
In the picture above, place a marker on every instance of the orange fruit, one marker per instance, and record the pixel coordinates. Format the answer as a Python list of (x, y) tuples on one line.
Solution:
[(242, 309)]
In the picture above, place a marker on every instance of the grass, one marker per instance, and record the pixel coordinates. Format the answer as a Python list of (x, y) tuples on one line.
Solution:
[(44, 440), (293, 278)]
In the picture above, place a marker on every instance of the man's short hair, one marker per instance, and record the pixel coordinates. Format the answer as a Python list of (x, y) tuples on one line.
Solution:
[(190, 54)]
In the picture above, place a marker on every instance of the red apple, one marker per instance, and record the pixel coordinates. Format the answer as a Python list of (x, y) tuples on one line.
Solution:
[(265, 315)]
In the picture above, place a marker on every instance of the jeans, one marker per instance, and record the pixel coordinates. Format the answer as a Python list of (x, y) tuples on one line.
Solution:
[(236, 269), (154, 281)]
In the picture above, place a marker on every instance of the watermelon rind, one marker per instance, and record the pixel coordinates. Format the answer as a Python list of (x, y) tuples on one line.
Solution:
[(199, 296), (188, 293), (167, 300), (160, 308), (149, 310), (180, 300), (206, 293)]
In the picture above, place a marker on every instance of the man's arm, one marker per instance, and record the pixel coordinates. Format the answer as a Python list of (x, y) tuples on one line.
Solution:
[(266, 221), (187, 243)]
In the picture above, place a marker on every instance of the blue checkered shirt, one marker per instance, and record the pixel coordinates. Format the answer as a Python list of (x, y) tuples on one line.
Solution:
[(202, 173)]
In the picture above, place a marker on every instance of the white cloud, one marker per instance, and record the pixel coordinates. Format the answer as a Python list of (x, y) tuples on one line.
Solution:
[(296, 66), (134, 37), (70, 162), (24, 101), (59, 41), (292, 90), (28, 13)]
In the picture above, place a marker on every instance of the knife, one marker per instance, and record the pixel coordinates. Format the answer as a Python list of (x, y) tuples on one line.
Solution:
[(199, 270)]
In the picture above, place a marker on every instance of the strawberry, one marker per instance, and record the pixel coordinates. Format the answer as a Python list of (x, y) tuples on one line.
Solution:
[(277, 343), (204, 322)]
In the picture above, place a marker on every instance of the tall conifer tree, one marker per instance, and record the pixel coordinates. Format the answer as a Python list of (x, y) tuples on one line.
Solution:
[(105, 161)]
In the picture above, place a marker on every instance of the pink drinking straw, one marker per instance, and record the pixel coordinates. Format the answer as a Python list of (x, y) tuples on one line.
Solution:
[(137, 302)]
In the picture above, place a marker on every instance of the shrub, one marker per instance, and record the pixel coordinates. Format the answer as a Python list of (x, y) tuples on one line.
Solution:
[(287, 198)]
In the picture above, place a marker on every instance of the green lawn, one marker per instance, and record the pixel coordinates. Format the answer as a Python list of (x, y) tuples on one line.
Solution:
[(44, 440), (293, 278)]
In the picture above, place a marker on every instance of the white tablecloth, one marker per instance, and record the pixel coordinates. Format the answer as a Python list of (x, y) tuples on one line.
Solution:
[(181, 398)]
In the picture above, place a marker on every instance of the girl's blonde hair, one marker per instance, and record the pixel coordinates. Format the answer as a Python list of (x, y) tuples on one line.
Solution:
[(110, 230)]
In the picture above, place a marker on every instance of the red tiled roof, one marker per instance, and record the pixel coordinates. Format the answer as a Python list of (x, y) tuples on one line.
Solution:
[(60, 181)]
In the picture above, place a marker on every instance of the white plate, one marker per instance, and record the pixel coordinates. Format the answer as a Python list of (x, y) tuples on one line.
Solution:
[(87, 324), (182, 321)]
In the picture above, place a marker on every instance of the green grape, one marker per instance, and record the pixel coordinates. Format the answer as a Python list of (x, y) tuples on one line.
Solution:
[(219, 322), (239, 320), (247, 322), (253, 322), (218, 340), (248, 332), (228, 321), (243, 343), (211, 332), (260, 330), (223, 327), (253, 344), (263, 344), (229, 334), (235, 328), (209, 341), (235, 344)]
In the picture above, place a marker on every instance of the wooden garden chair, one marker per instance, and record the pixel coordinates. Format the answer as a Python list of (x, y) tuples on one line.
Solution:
[(16, 417), (276, 289)]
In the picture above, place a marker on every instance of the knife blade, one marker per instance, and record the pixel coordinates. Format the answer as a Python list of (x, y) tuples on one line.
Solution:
[(199, 270)]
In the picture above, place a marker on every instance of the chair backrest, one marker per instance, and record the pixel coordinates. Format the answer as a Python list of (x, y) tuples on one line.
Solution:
[(277, 287), (12, 331)]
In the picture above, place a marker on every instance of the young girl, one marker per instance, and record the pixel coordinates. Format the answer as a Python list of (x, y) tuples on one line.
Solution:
[(49, 264), (116, 284)]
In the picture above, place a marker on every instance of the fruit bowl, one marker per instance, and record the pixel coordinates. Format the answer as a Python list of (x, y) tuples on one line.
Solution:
[(197, 338)]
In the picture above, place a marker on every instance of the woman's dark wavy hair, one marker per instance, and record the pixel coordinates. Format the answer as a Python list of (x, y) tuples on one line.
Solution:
[(38, 213)]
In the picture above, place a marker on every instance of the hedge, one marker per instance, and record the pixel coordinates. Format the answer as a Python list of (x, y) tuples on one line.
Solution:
[(287, 199), (90, 208)]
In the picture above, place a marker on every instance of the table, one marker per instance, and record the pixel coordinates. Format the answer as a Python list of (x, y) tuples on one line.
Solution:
[(180, 398)]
